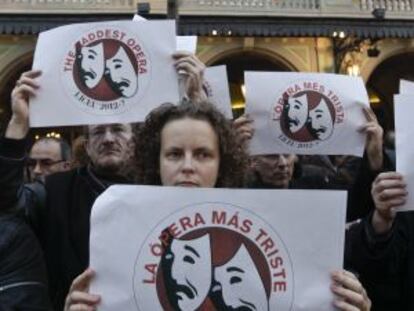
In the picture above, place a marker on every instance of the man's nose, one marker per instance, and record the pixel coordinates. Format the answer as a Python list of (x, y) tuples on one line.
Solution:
[(38, 170), (108, 136), (282, 160)]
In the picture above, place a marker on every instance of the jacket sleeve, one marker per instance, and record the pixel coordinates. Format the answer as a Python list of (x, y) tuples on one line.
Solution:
[(12, 158), (379, 260), (15, 196)]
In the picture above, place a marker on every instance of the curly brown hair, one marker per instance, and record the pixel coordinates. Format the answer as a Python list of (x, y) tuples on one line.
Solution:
[(233, 157)]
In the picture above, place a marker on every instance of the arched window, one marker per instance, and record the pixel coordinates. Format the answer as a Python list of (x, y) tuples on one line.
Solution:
[(239, 62)]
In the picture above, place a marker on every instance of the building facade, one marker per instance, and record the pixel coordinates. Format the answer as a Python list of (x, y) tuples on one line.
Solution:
[(369, 38)]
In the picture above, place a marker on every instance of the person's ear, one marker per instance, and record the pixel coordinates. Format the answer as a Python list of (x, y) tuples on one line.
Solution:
[(66, 165), (87, 147)]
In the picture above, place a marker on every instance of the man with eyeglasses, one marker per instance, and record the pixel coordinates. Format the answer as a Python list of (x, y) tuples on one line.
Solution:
[(62, 219), (47, 156)]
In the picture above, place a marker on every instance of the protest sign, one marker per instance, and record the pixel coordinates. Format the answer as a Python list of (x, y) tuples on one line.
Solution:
[(138, 18), (404, 133), (187, 43), (173, 248), (406, 87), (112, 72), (216, 87), (184, 43), (306, 113)]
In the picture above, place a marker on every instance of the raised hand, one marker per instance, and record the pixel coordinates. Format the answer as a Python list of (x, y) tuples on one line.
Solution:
[(25, 88), (388, 192), (374, 140), (192, 70)]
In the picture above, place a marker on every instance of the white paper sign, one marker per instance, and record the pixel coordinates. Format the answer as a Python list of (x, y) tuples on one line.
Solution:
[(187, 43), (138, 18), (96, 73), (306, 113), (404, 131), (184, 43), (169, 248), (216, 87), (406, 87)]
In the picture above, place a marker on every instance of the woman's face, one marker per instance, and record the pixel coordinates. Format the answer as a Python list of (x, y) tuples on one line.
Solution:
[(189, 154)]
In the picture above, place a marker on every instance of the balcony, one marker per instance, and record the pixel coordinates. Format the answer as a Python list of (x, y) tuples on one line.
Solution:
[(67, 6), (400, 6), (394, 9)]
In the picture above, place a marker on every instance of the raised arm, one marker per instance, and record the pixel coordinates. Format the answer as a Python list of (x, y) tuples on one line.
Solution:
[(26, 86), (13, 145), (360, 201)]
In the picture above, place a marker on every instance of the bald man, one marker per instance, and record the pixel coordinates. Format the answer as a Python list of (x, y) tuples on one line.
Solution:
[(48, 156)]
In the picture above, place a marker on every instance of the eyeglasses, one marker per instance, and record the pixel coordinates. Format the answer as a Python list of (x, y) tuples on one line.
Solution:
[(31, 163)]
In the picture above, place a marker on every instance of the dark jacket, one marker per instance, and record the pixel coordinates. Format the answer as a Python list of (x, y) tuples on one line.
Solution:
[(23, 284), (385, 263), (62, 222)]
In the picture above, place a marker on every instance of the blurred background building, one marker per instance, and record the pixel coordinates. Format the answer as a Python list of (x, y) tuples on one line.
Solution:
[(368, 38)]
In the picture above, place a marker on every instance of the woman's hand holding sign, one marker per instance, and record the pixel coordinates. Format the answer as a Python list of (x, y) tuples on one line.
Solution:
[(25, 88), (350, 294), (192, 68), (79, 298)]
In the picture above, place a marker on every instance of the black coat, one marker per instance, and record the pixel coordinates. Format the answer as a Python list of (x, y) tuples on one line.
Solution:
[(23, 284), (385, 263)]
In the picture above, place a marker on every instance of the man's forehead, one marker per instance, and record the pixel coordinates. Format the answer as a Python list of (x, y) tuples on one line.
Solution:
[(126, 126), (46, 149), (276, 156)]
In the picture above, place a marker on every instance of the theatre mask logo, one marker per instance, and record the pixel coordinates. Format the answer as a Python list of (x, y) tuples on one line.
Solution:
[(106, 70), (213, 257), (306, 114)]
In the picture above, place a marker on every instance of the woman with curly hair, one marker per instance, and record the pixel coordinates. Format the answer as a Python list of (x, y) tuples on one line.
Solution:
[(175, 135), (193, 145)]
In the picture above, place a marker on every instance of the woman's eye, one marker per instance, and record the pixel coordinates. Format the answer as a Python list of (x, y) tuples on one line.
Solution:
[(202, 155), (173, 155)]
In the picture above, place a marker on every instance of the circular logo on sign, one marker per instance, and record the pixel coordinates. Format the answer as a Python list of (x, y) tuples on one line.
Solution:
[(306, 114), (106, 71), (208, 258)]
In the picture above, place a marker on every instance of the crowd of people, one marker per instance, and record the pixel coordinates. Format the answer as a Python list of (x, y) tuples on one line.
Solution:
[(46, 197)]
